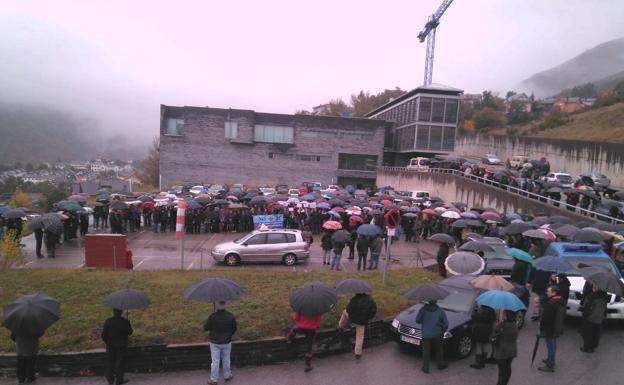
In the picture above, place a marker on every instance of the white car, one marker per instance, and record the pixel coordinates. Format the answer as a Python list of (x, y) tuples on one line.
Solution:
[(615, 307), (490, 159), (267, 191), (293, 193), (196, 190), (333, 188), (563, 178)]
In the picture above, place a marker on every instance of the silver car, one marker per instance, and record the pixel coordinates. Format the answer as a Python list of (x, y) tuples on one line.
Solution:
[(275, 245), (600, 180)]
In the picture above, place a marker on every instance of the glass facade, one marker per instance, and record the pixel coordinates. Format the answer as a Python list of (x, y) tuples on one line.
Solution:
[(357, 162), (231, 130), (273, 134), (174, 126)]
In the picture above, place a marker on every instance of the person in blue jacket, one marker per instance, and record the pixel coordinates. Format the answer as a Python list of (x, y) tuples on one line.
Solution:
[(434, 324)]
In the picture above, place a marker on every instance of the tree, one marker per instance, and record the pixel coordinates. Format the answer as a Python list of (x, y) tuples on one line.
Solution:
[(490, 100), (337, 107), (619, 90), (509, 94), (517, 112), (363, 103), (488, 117), (151, 164), (20, 199)]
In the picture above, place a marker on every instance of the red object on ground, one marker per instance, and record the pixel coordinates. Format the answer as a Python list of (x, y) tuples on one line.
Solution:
[(105, 250), (129, 264)]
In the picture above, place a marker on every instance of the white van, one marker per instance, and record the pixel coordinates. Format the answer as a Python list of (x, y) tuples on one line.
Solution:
[(419, 164), (420, 196)]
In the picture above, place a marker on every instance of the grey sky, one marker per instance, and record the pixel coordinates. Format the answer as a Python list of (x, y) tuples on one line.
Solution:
[(116, 61)]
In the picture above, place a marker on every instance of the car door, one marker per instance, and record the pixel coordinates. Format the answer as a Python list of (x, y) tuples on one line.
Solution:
[(276, 247), (254, 248)]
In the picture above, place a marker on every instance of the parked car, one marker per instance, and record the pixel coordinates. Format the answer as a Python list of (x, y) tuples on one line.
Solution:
[(275, 245), (267, 191), (420, 196), (517, 161), (592, 255), (293, 193), (216, 189), (282, 189), (458, 307), (594, 179), (563, 178), (195, 190), (490, 159), (177, 190), (419, 164)]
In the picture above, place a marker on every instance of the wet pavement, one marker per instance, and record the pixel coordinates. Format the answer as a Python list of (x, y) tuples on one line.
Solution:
[(157, 251), (387, 364)]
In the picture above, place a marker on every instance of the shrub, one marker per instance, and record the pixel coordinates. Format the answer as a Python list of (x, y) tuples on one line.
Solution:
[(20, 199), (10, 251)]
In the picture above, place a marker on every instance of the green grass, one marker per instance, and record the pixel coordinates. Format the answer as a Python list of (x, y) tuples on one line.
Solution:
[(263, 312)]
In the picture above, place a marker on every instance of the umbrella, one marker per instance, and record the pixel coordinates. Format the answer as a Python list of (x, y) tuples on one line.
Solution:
[(309, 197), (519, 254), (148, 205), (442, 238), (338, 209), (491, 282), (499, 299), (334, 214), (553, 264), (118, 205), (535, 234), (323, 206), (492, 216), (257, 200), (460, 224), (31, 314), (583, 224), (368, 230), (332, 225), (566, 230), (470, 215), (385, 202), (560, 219), (193, 204), (225, 202), (475, 223), (36, 224), (476, 247), (410, 215), (551, 236), (128, 299), (604, 279), (588, 235), (430, 212), (214, 290), (451, 214), (293, 201), (535, 347), (517, 228), (352, 285), (145, 198), (336, 202), (538, 221), (13, 214), (102, 198), (426, 292), (77, 198), (464, 263), (512, 216), (313, 298), (341, 236), (202, 198)]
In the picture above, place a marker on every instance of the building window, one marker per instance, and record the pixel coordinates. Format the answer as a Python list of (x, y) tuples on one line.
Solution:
[(278, 155), (273, 134), (231, 130), (174, 126), (451, 111), (438, 110), (424, 110), (357, 162), (422, 138)]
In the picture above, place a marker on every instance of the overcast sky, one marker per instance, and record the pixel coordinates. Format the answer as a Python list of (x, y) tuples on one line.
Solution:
[(116, 61)]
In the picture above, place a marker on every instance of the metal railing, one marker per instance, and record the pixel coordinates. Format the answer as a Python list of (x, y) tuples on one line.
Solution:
[(510, 189)]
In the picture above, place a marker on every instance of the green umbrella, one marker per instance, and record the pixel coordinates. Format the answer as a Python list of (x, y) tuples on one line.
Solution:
[(70, 206), (519, 254)]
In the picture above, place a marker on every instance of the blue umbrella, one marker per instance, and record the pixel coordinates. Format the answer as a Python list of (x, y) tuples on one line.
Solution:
[(470, 215), (497, 299), (323, 205), (519, 254), (308, 197), (368, 230), (552, 263), (512, 216)]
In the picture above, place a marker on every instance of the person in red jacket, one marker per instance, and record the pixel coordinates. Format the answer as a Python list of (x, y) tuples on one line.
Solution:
[(305, 325), (129, 264)]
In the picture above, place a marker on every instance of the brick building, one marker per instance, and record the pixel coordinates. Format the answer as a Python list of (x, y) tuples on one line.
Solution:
[(215, 145), (425, 123)]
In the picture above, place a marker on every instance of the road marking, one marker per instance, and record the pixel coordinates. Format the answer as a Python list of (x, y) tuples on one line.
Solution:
[(80, 266), (190, 266), (140, 263), (28, 263)]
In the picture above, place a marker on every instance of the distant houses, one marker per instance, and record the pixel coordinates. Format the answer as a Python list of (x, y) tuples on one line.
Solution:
[(567, 105)]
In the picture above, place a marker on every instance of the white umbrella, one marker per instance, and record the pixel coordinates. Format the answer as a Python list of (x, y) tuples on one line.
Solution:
[(451, 215)]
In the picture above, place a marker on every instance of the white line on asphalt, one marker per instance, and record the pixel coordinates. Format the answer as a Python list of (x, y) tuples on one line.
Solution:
[(140, 263), (80, 266)]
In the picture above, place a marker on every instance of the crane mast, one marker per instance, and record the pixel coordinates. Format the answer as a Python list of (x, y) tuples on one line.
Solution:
[(428, 33)]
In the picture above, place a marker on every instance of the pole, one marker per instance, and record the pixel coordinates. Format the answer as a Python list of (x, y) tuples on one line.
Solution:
[(388, 243), (182, 251), (180, 230), (114, 257), (201, 260)]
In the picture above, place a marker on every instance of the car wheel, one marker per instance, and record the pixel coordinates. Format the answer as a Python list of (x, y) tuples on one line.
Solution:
[(520, 319), (231, 260), (289, 259), (463, 345)]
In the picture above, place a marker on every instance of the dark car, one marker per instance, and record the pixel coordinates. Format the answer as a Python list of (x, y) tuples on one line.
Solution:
[(610, 208), (458, 307)]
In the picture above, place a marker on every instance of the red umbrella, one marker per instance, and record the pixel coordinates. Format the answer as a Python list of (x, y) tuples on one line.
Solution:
[(429, 212), (147, 205), (332, 225), (490, 213), (385, 202), (355, 218), (338, 209)]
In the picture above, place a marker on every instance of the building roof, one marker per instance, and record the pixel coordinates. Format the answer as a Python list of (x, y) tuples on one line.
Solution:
[(433, 88)]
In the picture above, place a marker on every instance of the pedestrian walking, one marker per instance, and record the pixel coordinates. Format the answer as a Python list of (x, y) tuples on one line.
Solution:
[(505, 346), (594, 312), (221, 325), (362, 249), (306, 234), (337, 245), (115, 335), (27, 347), (483, 319), (50, 240), (360, 310), (305, 325), (38, 242), (326, 245), (551, 325), (375, 250), (443, 253), (434, 324)]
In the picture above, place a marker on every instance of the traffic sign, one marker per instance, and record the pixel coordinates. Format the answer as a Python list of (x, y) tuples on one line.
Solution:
[(392, 219)]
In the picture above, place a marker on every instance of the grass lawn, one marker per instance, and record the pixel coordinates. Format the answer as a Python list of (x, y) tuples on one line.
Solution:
[(263, 312)]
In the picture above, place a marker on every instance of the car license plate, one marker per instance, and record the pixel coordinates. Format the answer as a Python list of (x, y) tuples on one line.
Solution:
[(413, 341)]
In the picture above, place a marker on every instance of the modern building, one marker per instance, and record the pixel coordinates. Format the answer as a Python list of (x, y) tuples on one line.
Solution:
[(424, 123), (216, 145)]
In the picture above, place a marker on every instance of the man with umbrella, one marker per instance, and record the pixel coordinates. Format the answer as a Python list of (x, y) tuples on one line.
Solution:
[(551, 325), (360, 310), (115, 335), (221, 325), (594, 311), (434, 324)]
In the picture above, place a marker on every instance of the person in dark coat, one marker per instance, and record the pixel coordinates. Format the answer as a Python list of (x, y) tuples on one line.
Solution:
[(27, 347), (505, 346), (362, 249), (375, 246), (539, 282), (351, 242), (50, 240), (483, 318), (38, 242), (594, 313), (338, 246), (551, 325), (326, 245), (520, 272), (221, 325), (84, 223), (360, 310), (433, 323), (563, 283), (443, 253), (115, 335)]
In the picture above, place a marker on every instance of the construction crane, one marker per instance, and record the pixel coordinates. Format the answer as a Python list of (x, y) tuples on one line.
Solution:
[(429, 33)]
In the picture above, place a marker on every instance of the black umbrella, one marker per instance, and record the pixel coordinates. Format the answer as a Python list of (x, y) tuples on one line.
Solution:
[(341, 236), (535, 347), (607, 227), (566, 230), (588, 193), (31, 314), (336, 202), (35, 224), (313, 298), (540, 221), (14, 214), (560, 219), (214, 290), (460, 223), (193, 204), (351, 285), (517, 228), (145, 198), (259, 200), (442, 238), (588, 235), (127, 299), (426, 292), (118, 205), (103, 198), (475, 247), (604, 279), (475, 223)]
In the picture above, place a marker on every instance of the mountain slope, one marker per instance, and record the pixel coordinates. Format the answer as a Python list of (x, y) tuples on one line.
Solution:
[(594, 65)]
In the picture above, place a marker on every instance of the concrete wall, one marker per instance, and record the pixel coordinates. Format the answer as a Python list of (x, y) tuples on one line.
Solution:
[(202, 153)]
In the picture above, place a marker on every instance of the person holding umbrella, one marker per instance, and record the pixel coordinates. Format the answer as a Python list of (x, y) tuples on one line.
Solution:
[(115, 335), (363, 243), (483, 319), (360, 310), (376, 244), (326, 245), (551, 325), (594, 311), (434, 325), (505, 345), (221, 325), (443, 253)]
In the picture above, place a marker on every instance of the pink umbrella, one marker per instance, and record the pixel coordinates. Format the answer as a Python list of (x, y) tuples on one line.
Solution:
[(332, 225), (549, 233), (385, 202), (490, 213), (338, 209), (356, 219), (429, 212)]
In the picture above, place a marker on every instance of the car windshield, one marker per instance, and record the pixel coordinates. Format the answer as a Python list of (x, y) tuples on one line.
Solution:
[(241, 239), (602, 176), (602, 262), (458, 301), (564, 178)]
